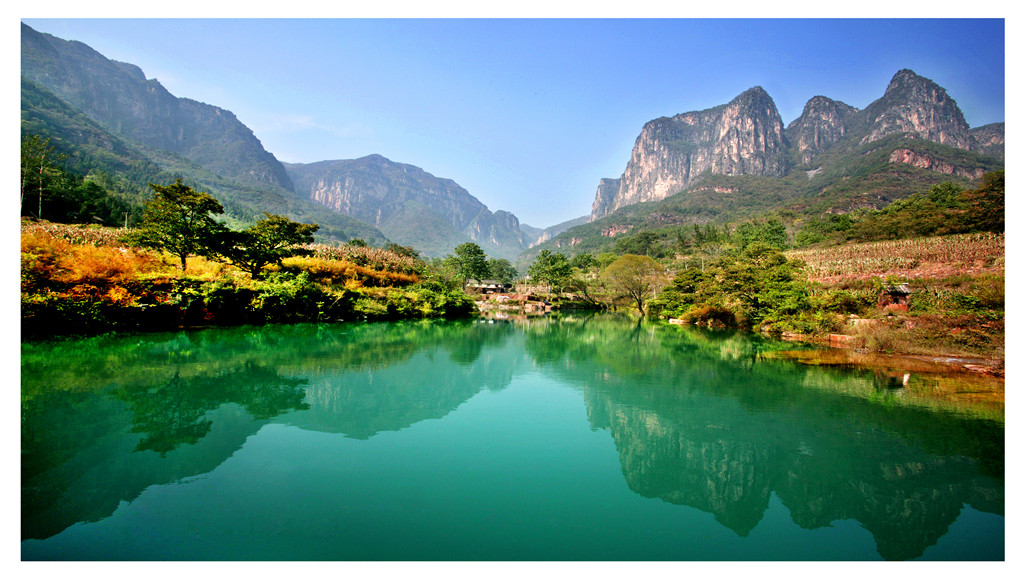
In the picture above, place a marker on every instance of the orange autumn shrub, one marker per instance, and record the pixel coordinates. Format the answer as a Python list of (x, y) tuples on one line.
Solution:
[(346, 273), (55, 261)]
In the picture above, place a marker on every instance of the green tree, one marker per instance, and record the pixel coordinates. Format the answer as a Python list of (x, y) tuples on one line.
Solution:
[(266, 242), (642, 243), (986, 205), (180, 220), (945, 194), (39, 170), (501, 270), (552, 268), (637, 277), (710, 241), (583, 261), (407, 251), (770, 231), (470, 261), (758, 286), (605, 258)]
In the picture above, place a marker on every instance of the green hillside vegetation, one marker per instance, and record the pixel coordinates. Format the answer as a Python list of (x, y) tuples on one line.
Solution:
[(848, 179), (86, 279), (79, 279), (864, 177), (950, 257), (125, 169)]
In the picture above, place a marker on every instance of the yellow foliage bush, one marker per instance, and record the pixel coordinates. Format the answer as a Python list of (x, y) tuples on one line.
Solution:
[(81, 270), (345, 273)]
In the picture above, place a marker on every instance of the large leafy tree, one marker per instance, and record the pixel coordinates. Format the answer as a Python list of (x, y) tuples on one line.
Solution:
[(266, 242), (180, 220), (552, 268), (637, 277), (771, 232), (986, 205), (757, 286), (501, 270), (470, 261)]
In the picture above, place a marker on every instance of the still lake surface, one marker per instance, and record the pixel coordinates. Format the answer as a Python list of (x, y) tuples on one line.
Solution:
[(579, 438)]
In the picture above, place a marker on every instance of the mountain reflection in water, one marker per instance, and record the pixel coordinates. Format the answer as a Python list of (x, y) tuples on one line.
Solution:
[(704, 420)]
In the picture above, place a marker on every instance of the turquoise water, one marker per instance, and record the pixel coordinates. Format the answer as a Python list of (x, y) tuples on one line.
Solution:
[(591, 438)]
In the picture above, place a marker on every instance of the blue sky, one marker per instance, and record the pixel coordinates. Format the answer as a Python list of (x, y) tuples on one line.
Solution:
[(528, 115)]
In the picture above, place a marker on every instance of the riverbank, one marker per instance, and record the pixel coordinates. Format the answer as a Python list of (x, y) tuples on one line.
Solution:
[(83, 280), (923, 339)]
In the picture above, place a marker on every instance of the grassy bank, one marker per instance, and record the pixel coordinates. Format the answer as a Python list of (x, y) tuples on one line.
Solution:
[(956, 302), (951, 302), (84, 280)]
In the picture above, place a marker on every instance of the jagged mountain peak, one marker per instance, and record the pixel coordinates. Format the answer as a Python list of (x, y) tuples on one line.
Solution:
[(753, 95), (916, 105), (907, 78), (747, 137), (824, 122), (741, 137), (818, 103), (756, 102)]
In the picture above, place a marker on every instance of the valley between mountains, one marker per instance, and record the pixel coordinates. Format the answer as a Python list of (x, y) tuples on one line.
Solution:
[(722, 165)]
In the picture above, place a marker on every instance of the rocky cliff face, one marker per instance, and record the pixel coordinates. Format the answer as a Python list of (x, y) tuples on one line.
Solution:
[(916, 105), (744, 136), (990, 140), (929, 162), (822, 124), (402, 200), (120, 98), (607, 190)]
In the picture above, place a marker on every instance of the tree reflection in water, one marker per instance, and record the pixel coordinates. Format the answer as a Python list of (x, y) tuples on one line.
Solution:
[(707, 420)]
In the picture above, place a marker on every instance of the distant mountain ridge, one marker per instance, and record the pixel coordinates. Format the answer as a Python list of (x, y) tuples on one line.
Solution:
[(119, 97), (410, 205), (173, 136), (746, 138), (736, 160)]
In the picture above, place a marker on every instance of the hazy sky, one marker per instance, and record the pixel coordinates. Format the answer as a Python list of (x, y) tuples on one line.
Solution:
[(528, 115)]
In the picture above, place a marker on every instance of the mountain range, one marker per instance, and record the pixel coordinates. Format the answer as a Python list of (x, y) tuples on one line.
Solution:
[(726, 163), (739, 160), (108, 117), (410, 206), (747, 137)]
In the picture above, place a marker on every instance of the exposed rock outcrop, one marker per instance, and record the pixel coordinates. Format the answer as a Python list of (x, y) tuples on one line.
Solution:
[(741, 137), (990, 140), (822, 124), (916, 105), (745, 137), (410, 205), (929, 162)]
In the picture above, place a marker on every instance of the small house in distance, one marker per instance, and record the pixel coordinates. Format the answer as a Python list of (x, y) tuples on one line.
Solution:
[(894, 297), (475, 286)]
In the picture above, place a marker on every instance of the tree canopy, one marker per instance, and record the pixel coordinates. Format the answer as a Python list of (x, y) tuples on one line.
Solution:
[(552, 268), (269, 241), (636, 277), (471, 261), (180, 220)]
